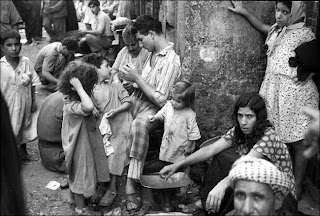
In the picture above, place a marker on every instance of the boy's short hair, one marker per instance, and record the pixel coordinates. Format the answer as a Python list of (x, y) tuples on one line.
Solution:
[(185, 92), (10, 33), (94, 2), (71, 43), (96, 59), (145, 23)]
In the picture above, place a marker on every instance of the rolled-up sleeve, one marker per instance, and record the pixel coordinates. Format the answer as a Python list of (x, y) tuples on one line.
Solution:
[(170, 75)]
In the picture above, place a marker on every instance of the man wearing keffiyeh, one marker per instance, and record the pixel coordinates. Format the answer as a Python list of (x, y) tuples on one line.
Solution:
[(259, 187)]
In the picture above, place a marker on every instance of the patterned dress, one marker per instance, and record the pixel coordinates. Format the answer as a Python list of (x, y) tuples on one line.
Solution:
[(284, 98), (271, 147)]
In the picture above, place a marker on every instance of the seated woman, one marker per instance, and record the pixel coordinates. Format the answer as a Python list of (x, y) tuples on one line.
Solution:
[(132, 54), (252, 135), (49, 126)]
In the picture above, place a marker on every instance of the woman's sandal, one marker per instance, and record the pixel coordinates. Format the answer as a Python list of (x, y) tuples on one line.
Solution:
[(108, 198), (190, 208), (135, 199)]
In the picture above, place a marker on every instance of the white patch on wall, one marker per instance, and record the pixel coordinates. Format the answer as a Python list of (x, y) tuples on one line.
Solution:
[(209, 54)]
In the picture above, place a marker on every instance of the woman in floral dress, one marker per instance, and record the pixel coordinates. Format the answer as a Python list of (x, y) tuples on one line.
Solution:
[(284, 94)]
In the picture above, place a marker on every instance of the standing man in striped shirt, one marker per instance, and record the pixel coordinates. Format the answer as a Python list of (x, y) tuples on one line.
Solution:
[(154, 82)]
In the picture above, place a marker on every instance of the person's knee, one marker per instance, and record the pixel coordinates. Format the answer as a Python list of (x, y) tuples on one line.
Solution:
[(90, 38)]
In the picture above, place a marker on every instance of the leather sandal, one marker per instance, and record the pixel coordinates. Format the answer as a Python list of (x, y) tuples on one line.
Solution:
[(135, 199)]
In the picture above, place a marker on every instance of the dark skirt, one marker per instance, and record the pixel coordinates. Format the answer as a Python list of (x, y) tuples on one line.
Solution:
[(219, 168)]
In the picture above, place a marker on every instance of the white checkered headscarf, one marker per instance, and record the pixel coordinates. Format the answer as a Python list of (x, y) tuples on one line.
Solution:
[(259, 170)]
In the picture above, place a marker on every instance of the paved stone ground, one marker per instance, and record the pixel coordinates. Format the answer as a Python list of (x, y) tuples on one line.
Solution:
[(43, 201)]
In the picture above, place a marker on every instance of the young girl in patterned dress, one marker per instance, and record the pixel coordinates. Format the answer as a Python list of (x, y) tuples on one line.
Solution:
[(77, 82), (285, 95)]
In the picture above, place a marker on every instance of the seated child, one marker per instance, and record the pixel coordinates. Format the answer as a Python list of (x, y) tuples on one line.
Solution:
[(112, 102)]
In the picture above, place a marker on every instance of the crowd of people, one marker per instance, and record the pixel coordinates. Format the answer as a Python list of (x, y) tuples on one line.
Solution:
[(96, 123)]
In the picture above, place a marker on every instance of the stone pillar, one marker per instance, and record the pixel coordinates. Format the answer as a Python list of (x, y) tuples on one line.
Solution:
[(222, 55)]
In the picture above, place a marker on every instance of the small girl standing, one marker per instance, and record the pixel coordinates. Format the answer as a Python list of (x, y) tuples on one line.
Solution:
[(113, 102), (77, 82), (180, 126), (18, 80)]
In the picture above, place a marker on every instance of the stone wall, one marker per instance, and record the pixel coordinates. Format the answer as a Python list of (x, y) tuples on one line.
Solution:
[(312, 13), (221, 53)]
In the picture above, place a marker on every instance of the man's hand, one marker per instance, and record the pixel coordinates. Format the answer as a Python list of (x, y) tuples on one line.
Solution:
[(215, 197), (311, 137), (130, 74), (82, 32), (128, 86), (168, 171)]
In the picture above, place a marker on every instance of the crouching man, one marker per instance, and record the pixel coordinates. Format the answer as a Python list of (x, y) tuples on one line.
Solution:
[(52, 58), (259, 187)]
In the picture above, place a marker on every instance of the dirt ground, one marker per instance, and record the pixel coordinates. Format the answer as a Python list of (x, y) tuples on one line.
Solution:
[(43, 201)]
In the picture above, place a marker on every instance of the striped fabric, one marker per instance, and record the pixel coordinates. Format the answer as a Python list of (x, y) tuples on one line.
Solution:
[(135, 169), (165, 73)]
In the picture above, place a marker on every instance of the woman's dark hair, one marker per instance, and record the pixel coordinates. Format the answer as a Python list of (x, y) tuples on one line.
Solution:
[(10, 33), (286, 3), (94, 2), (96, 59), (256, 103), (145, 23), (86, 74), (185, 92)]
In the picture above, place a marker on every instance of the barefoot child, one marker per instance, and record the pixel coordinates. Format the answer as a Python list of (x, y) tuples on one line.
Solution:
[(180, 126), (18, 80), (112, 102), (77, 82)]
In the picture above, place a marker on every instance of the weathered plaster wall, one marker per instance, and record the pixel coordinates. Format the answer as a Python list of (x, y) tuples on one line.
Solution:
[(222, 55)]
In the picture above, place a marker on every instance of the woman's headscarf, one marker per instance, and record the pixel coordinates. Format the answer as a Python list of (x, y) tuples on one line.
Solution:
[(296, 21)]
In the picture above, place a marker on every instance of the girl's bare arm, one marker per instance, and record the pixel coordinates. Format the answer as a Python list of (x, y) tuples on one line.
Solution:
[(86, 102), (254, 21)]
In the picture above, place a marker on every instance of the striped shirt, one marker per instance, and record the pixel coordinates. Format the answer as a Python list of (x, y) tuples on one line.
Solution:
[(164, 74)]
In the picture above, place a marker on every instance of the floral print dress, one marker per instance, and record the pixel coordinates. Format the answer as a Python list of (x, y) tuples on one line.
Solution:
[(284, 98)]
